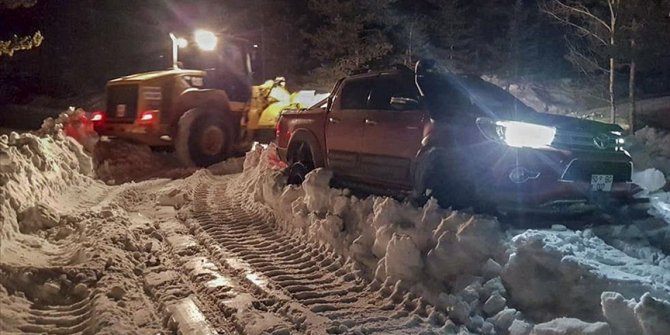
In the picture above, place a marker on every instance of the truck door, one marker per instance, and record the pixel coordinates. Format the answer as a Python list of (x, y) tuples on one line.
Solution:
[(344, 126), (393, 130)]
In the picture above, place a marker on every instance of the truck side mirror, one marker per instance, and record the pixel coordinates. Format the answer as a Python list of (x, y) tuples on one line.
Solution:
[(402, 103)]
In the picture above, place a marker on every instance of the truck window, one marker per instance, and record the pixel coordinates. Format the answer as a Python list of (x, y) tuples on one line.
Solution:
[(388, 86), (355, 93)]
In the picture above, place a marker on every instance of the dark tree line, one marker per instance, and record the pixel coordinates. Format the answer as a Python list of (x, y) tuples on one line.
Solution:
[(313, 42)]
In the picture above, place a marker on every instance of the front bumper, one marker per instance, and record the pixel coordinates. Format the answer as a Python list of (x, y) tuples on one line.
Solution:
[(557, 181)]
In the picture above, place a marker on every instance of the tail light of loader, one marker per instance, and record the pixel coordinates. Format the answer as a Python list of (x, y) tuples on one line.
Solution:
[(148, 118), (98, 117)]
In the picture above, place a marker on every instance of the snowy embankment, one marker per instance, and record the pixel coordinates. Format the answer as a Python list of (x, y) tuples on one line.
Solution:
[(487, 279), (69, 249)]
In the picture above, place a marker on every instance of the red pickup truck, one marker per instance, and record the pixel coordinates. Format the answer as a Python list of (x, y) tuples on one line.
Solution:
[(467, 141)]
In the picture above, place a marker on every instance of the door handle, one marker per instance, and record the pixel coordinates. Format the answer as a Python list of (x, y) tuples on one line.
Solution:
[(412, 127), (370, 122), (333, 120)]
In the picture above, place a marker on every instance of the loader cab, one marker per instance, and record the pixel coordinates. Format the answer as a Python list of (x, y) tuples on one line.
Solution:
[(228, 68)]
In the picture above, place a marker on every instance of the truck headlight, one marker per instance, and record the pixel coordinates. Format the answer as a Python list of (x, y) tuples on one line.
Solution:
[(517, 134)]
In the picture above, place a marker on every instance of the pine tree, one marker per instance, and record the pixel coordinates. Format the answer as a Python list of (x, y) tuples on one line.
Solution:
[(351, 34), (17, 43), (454, 32)]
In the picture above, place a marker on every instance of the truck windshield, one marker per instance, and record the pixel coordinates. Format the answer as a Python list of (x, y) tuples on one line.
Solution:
[(448, 94)]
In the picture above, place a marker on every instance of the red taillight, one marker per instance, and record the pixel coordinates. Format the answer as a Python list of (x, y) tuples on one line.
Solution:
[(98, 117), (148, 117)]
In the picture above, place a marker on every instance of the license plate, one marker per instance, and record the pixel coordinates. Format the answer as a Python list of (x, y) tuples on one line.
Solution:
[(602, 182), (120, 110)]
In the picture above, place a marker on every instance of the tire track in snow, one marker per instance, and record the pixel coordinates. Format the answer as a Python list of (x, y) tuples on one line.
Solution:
[(311, 274)]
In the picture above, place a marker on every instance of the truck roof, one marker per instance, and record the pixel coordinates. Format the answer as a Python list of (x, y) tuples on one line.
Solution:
[(157, 74)]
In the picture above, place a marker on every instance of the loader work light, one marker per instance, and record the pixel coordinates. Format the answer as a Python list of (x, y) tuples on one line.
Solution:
[(206, 40)]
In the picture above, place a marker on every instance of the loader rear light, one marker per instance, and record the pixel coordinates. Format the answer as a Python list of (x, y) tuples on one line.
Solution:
[(148, 117), (98, 117)]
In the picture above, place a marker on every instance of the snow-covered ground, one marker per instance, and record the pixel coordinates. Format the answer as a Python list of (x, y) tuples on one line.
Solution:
[(218, 251)]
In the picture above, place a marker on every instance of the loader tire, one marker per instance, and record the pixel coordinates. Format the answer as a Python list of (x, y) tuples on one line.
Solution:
[(203, 138)]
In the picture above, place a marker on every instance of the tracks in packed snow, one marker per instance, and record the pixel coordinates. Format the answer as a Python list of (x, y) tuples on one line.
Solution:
[(287, 268)]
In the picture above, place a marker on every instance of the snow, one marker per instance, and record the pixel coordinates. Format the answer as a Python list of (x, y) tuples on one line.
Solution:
[(651, 180), (468, 265), (563, 273), (570, 326), (650, 148), (59, 222)]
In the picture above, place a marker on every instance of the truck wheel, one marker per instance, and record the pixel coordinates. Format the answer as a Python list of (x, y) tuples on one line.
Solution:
[(449, 186), (204, 138), (301, 164), (297, 172)]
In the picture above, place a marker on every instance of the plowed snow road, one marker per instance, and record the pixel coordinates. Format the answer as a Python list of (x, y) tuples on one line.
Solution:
[(304, 284)]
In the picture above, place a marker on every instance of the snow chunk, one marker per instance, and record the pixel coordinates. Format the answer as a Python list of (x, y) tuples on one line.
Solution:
[(403, 259), (38, 217), (619, 313), (570, 326), (653, 315), (651, 180), (563, 273), (464, 243)]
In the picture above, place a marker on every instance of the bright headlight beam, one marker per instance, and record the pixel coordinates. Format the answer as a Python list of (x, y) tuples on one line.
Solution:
[(521, 134), (206, 40)]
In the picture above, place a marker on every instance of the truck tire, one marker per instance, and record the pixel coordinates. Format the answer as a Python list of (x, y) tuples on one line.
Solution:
[(300, 163), (446, 183), (203, 137), (297, 172)]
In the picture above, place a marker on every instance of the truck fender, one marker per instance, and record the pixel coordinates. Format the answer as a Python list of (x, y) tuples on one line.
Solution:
[(305, 136), (423, 165), (200, 98)]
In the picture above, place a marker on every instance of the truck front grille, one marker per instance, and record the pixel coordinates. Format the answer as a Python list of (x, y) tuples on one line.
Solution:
[(122, 103), (581, 170), (580, 140)]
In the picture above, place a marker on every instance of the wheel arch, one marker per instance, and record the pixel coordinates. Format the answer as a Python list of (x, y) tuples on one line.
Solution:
[(207, 99), (303, 136), (425, 157)]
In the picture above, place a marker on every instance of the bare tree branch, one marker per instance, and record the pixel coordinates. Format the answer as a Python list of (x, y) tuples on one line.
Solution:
[(581, 10), (578, 27)]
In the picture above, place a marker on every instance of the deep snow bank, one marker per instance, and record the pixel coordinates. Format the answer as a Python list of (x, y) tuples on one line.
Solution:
[(563, 272), (33, 172), (650, 148), (455, 259)]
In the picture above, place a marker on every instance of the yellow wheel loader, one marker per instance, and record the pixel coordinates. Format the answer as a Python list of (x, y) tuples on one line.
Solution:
[(205, 115)]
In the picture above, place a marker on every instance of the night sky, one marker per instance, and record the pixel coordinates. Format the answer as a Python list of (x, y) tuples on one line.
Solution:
[(87, 42)]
